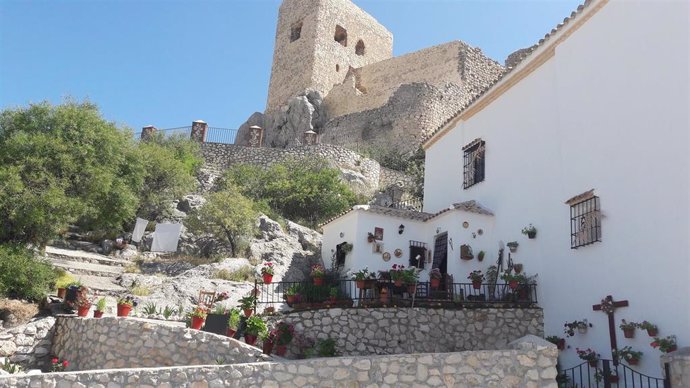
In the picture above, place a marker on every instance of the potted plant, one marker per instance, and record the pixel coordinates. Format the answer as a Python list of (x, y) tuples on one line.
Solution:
[(83, 304), (480, 256), (283, 333), (217, 319), (71, 291), (333, 294), (360, 277), (397, 274), (255, 327), (517, 267), (588, 355), (125, 305), (383, 295), (267, 342), (581, 326), (57, 365), (628, 355), (267, 272), (198, 317), (628, 328), (513, 245), (652, 329), (247, 304), (476, 277), (100, 308), (530, 231), (610, 377), (556, 340), (435, 278), (410, 276), (512, 279), (64, 279), (667, 344), (370, 237), (291, 294), (233, 321), (317, 274)]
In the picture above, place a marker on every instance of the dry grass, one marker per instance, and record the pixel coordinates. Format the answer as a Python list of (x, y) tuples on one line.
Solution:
[(243, 274), (140, 291), (23, 311)]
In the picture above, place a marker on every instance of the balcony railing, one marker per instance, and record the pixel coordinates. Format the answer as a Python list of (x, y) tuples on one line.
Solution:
[(370, 293)]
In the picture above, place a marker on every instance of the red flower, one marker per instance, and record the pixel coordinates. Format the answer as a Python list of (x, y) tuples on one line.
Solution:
[(654, 344), (65, 363), (54, 360)]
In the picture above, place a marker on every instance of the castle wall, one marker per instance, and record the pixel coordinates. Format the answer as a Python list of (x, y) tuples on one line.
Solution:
[(316, 61)]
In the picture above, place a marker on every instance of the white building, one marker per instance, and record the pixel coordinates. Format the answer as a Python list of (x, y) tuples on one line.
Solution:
[(597, 114)]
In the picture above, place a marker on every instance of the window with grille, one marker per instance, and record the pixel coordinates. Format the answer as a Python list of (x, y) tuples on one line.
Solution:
[(473, 171), (585, 220), (417, 254)]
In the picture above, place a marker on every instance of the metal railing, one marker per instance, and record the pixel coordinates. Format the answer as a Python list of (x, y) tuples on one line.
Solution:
[(604, 373), (370, 293), (221, 135), (410, 204)]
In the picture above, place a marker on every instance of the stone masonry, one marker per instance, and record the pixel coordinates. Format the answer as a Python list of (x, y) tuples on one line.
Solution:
[(679, 367), (110, 342), (530, 363), (28, 345), (396, 331)]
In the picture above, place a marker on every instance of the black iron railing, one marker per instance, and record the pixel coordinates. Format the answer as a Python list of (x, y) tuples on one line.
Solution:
[(386, 293), (604, 373)]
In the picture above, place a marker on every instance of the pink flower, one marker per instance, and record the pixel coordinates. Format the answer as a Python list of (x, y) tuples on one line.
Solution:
[(54, 360), (65, 363)]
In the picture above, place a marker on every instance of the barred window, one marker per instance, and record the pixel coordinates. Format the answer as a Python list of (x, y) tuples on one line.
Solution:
[(585, 219), (473, 171)]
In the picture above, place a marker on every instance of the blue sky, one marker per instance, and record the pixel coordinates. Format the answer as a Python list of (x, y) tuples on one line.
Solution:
[(168, 63)]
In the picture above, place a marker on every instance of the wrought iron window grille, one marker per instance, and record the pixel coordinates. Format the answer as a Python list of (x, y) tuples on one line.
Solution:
[(585, 222), (473, 169)]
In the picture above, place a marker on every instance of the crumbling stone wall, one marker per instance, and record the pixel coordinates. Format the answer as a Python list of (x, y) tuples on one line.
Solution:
[(109, 342), (28, 345), (412, 330), (527, 364)]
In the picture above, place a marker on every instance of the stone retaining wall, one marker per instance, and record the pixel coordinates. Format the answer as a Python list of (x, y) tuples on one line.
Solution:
[(530, 364), (679, 367), (110, 342), (28, 345), (407, 330)]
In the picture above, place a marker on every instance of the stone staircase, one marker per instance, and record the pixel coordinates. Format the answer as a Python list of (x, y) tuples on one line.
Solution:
[(95, 271)]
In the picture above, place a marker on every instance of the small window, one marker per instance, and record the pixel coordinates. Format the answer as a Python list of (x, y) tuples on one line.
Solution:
[(340, 35), (340, 254), (417, 254), (359, 48), (295, 31), (473, 171), (585, 219)]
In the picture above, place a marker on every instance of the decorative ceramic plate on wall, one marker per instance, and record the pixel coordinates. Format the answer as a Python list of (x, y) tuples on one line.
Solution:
[(398, 252), (386, 256)]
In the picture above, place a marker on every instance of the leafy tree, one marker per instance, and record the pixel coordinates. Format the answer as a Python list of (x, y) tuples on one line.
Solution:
[(306, 191), (227, 215), (170, 166), (23, 276), (61, 165)]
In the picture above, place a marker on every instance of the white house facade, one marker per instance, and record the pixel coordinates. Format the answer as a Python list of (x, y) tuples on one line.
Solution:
[(587, 139)]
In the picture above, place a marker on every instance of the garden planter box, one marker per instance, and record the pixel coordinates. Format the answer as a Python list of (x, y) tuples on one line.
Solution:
[(217, 323)]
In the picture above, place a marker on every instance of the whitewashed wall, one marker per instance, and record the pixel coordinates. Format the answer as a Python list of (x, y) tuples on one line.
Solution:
[(609, 111)]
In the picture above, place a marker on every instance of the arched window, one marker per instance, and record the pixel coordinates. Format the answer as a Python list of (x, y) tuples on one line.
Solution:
[(340, 35)]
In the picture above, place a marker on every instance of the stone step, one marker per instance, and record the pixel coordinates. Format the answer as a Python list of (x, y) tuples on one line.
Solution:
[(66, 255), (101, 285), (85, 268)]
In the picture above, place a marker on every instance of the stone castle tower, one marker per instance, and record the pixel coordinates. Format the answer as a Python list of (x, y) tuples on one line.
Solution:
[(317, 42)]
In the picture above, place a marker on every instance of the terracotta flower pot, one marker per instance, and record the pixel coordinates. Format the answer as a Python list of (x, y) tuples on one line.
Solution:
[(61, 292), (123, 310), (477, 284), (561, 344), (629, 333), (197, 322), (249, 339), (411, 288), (398, 283), (593, 363), (332, 299), (633, 361), (612, 379), (83, 311), (513, 284), (281, 350), (384, 297), (291, 299), (268, 278), (230, 332), (435, 283), (360, 284), (248, 312), (267, 347), (98, 314), (672, 349), (652, 332), (318, 281)]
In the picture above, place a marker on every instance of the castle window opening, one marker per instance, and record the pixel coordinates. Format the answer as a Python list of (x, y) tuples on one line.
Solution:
[(295, 31), (337, 67), (360, 48), (340, 35)]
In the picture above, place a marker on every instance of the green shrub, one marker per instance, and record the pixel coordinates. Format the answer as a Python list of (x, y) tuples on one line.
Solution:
[(63, 278), (22, 275), (242, 274)]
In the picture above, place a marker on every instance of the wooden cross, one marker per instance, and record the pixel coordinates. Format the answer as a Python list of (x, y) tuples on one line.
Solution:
[(608, 305)]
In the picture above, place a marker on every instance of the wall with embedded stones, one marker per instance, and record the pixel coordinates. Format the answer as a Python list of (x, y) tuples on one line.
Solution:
[(530, 363), (410, 330), (110, 342), (679, 367), (28, 345)]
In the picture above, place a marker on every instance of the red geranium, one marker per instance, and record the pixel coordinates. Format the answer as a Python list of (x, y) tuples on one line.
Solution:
[(65, 363), (54, 360)]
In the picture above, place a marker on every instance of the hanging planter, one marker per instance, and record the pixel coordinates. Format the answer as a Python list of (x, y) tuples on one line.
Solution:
[(652, 329), (513, 246), (530, 231)]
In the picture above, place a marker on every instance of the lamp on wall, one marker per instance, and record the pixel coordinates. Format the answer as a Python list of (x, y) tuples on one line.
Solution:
[(401, 229)]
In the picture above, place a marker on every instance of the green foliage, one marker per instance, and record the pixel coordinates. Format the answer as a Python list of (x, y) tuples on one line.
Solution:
[(9, 367), (227, 215), (234, 318), (170, 166), (411, 164), (255, 326), (22, 275), (140, 291), (64, 164), (305, 191), (63, 279), (168, 311), (100, 305), (242, 274), (150, 308)]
